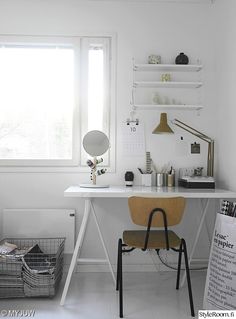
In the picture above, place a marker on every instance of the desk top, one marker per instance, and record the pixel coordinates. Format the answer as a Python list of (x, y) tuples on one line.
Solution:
[(125, 192)]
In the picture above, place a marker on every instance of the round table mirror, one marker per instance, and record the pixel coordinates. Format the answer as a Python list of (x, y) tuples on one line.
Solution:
[(95, 143)]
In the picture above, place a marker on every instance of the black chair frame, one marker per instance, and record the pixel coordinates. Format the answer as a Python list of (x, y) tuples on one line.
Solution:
[(182, 249)]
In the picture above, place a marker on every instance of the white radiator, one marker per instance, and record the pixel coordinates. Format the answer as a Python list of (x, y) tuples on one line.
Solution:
[(40, 223)]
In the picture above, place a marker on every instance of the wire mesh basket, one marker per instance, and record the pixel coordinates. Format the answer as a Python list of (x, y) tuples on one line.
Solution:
[(30, 267)]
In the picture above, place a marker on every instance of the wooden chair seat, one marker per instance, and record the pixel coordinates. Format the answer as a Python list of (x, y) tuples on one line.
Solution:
[(157, 240)]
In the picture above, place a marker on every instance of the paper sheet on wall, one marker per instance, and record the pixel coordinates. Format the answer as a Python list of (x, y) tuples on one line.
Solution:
[(133, 140)]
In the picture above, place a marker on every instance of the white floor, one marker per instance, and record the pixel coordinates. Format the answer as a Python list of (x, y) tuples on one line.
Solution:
[(93, 296)]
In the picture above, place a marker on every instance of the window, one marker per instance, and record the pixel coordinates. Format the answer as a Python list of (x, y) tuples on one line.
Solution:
[(53, 91), (95, 94)]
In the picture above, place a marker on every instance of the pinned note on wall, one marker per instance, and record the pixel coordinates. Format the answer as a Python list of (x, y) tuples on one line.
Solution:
[(133, 139)]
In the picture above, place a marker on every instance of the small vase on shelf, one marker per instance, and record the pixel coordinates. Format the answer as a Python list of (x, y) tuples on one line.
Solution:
[(181, 59)]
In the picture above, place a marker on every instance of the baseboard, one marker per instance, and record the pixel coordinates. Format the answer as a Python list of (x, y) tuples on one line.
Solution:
[(196, 263), (154, 265)]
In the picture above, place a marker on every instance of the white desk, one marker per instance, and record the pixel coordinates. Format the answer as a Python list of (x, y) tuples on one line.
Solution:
[(125, 192)]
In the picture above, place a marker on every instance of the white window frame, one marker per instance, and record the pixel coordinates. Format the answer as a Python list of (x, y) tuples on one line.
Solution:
[(75, 164), (86, 44)]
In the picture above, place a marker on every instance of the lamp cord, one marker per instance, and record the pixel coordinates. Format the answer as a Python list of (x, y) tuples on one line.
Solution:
[(175, 268)]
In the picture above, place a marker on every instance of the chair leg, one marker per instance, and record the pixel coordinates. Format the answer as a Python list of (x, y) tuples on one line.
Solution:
[(188, 277), (179, 265), (120, 279), (118, 268)]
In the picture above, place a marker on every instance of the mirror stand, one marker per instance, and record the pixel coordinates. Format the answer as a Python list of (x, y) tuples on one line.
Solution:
[(93, 171), (93, 176), (95, 143)]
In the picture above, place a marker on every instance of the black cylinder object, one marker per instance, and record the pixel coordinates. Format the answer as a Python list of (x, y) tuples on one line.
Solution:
[(181, 59), (129, 177)]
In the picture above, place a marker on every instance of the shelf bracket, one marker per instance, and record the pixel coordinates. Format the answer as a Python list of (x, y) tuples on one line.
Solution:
[(132, 118)]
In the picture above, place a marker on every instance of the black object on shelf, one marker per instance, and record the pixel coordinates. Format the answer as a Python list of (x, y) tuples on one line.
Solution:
[(181, 59)]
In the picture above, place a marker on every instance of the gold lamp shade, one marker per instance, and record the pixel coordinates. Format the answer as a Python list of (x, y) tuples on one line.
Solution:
[(163, 126)]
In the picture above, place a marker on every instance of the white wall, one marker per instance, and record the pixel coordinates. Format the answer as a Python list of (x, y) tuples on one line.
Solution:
[(225, 26), (141, 28)]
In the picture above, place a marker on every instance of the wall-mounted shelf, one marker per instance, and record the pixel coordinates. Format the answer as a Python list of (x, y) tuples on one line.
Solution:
[(183, 81), (167, 107), (168, 67), (170, 84)]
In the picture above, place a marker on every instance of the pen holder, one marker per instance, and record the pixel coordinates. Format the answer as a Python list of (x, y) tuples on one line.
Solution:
[(148, 179), (161, 179), (171, 180)]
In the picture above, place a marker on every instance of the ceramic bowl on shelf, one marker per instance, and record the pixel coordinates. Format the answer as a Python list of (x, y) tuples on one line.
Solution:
[(156, 99)]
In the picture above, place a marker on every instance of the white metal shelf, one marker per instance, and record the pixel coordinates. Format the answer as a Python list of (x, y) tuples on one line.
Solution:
[(167, 107), (169, 84), (178, 84), (168, 67)]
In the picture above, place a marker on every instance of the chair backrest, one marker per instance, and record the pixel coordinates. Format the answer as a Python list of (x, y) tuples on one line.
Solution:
[(141, 207)]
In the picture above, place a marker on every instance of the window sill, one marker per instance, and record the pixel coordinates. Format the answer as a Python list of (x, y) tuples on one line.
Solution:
[(51, 169)]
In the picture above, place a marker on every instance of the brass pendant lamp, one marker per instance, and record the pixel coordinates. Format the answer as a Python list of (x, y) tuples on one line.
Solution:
[(163, 126)]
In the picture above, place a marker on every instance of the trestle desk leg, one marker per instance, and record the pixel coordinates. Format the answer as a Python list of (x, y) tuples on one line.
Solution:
[(77, 249), (204, 211), (103, 243)]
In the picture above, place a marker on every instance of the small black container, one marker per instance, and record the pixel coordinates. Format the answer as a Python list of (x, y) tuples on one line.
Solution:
[(129, 178), (181, 59)]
